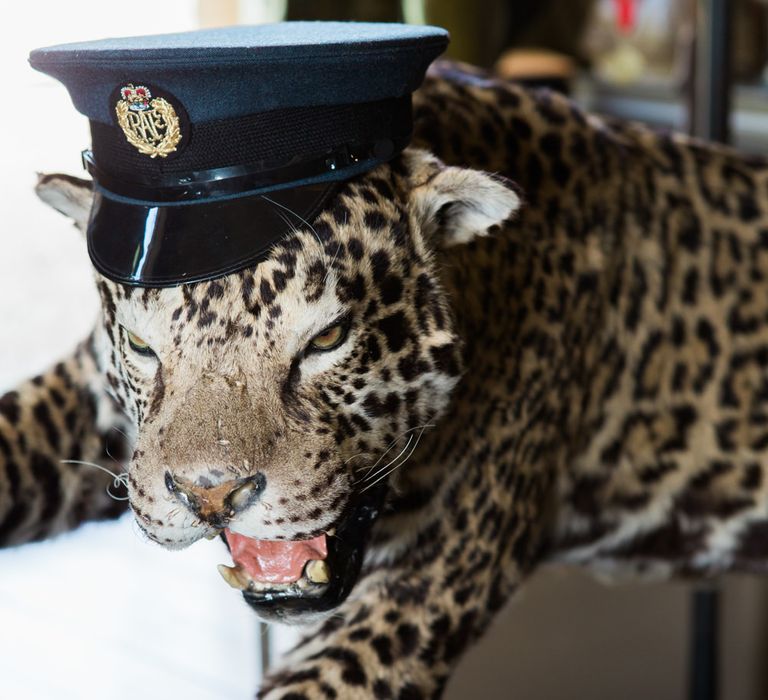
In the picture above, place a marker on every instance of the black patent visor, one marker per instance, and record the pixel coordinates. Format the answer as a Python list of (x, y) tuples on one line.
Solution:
[(163, 246)]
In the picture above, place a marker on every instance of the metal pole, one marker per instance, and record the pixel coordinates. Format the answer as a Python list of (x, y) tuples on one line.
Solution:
[(709, 109), (704, 644), (710, 94), (265, 649)]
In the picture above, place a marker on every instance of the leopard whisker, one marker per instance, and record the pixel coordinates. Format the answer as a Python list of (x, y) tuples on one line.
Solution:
[(300, 218), (392, 444), (397, 466), (119, 479), (382, 472), (387, 465), (137, 530), (122, 432), (383, 454), (330, 265), (359, 454), (110, 455), (294, 229)]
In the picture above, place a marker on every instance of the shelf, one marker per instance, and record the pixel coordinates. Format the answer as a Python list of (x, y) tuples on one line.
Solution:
[(659, 103)]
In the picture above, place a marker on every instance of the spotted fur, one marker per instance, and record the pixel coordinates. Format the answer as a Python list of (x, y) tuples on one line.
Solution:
[(582, 380)]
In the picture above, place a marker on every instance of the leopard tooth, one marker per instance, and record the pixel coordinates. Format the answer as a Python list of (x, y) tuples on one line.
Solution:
[(317, 571), (213, 536), (235, 577)]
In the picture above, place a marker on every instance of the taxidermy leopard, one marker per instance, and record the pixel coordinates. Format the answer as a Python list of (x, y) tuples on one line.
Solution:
[(444, 381)]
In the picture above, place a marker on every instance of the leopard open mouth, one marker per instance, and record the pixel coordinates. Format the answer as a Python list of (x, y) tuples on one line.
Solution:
[(285, 579)]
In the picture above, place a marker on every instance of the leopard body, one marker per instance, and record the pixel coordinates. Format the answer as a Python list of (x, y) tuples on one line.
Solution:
[(576, 372)]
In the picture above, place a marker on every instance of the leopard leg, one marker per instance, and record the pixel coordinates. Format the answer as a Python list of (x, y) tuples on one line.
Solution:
[(399, 637), (49, 427), (417, 609)]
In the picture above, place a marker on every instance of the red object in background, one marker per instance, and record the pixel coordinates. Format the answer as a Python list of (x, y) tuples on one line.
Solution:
[(626, 11)]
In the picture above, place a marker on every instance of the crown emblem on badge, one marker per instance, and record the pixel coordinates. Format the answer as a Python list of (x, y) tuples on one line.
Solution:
[(150, 124)]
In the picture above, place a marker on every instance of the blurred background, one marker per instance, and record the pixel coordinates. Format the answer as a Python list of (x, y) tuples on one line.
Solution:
[(102, 614)]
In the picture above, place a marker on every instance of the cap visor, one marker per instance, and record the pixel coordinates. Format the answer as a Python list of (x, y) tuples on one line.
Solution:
[(163, 246)]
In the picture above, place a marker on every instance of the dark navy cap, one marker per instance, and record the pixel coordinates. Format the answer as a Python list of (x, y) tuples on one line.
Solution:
[(210, 146)]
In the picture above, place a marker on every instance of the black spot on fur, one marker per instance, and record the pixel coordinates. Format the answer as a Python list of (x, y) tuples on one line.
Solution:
[(379, 265), (396, 330), (267, 293), (47, 477), (408, 636), (355, 248), (691, 286), (410, 692), (382, 645), (753, 477), (352, 670), (381, 691), (279, 280), (9, 407), (375, 220), (341, 214), (391, 288), (445, 359), (411, 366), (690, 234), (352, 289), (43, 416)]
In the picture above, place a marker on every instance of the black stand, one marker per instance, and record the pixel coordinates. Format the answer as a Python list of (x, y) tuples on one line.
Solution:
[(709, 108), (704, 644), (709, 98)]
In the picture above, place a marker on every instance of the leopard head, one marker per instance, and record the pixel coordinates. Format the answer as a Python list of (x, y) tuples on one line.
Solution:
[(272, 404)]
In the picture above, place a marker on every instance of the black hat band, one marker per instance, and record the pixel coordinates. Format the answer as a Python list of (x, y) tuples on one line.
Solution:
[(240, 180), (245, 154)]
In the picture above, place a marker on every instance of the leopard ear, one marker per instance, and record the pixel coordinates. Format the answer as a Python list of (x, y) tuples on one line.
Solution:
[(66, 194), (455, 205)]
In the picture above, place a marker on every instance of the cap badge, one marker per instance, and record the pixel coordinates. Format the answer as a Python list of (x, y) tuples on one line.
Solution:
[(150, 124)]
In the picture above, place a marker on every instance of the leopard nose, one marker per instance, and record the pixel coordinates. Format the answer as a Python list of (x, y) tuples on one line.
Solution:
[(246, 492), (217, 504)]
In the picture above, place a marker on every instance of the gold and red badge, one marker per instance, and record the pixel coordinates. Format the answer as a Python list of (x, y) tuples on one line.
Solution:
[(150, 124)]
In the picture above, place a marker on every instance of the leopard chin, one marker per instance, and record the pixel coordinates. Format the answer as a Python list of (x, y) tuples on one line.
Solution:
[(293, 581)]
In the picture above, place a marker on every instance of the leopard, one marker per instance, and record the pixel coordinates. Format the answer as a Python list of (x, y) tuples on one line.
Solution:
[(536, 336)]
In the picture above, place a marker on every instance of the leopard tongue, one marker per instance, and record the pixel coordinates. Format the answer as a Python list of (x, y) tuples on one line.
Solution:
[(274, 561)]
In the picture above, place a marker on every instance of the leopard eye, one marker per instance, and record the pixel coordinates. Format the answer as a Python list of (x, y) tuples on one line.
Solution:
[(139, 345), (330, 338)]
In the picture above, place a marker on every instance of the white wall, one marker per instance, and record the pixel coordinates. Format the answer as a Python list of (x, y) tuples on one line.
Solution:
[(99, 613)]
